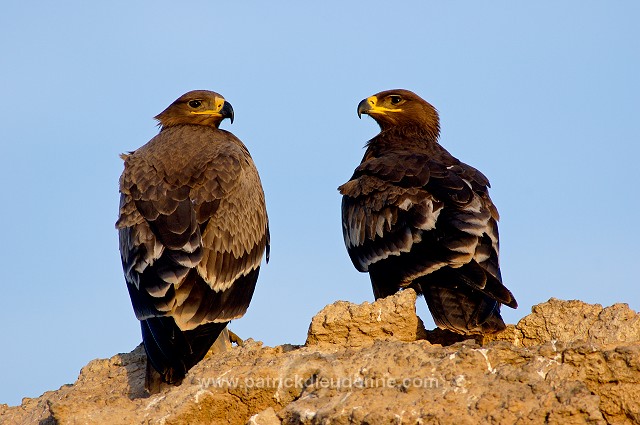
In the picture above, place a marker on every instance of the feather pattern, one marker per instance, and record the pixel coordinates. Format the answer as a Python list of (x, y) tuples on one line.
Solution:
[(193, 229), (415, 216), (191, 204)]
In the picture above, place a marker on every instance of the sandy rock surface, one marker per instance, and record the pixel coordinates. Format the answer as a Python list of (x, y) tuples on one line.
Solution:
[(566, 363)]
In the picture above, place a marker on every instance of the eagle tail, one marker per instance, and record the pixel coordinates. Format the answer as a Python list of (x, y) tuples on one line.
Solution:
[(171, 351), (462, 309)]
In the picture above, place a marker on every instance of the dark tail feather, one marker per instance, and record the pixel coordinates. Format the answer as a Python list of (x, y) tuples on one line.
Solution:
[(173, 352), (477, 277), (383, 283), (463, 309)]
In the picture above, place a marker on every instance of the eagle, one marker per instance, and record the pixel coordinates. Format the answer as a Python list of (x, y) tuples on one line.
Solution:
[(414, 216), (193, 229)]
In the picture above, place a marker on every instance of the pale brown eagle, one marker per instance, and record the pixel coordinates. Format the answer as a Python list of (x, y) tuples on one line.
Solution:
[(193, 230), (413, 216)]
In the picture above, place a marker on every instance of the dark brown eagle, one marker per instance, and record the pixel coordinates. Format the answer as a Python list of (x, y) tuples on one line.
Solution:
[(413, 216), (193, 229)]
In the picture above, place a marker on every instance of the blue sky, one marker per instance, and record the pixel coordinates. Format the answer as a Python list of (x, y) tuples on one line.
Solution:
[(543, 98)]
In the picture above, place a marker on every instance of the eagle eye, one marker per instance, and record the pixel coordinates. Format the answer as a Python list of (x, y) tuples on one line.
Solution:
[(195, 103), (395, 99)]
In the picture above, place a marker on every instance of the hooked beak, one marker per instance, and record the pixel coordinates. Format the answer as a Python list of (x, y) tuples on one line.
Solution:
[(227, 111), (366, 105)]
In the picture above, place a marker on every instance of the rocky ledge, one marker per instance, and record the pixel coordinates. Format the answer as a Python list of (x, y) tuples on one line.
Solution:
[(566, 363)]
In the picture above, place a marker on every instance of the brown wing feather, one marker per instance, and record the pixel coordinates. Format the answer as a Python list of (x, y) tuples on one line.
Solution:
[(385, 208), (192, 224), (407, 215)]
